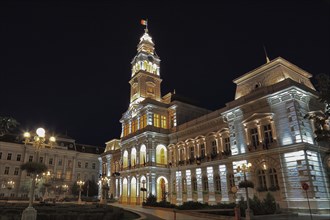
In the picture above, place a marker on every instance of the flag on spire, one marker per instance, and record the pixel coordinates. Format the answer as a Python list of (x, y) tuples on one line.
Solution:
[(144, 22)]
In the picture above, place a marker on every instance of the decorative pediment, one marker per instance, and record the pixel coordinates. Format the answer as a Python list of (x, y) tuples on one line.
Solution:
[(257, 116)]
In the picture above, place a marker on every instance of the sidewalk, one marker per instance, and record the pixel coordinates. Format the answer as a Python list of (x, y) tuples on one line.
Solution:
[(163, 214)]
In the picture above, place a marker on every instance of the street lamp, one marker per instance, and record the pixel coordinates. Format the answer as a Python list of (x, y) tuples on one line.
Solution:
[(38, 141), (246, 168), (65, 189), (46, 184), (80, 183)]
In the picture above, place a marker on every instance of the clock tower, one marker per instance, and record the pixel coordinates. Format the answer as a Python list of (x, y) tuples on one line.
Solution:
[(145, 79)]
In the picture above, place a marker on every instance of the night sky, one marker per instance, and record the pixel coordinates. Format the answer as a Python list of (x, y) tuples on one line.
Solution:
[(66, 65)]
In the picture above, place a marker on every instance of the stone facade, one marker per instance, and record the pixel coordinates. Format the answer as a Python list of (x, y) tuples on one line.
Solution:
[(67, 162), (180, 152)]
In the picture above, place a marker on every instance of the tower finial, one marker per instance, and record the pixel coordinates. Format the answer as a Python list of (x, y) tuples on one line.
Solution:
[(267, 59), (145, 23)]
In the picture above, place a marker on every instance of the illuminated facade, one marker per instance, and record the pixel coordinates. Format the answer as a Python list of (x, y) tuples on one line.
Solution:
[(180, 152), (66, 161)]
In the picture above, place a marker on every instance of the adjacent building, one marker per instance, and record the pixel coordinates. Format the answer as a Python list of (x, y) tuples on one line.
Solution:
[(67, 163), (180, 152)]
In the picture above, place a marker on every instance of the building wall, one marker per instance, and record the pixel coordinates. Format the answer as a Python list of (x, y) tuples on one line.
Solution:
[(65, 166)]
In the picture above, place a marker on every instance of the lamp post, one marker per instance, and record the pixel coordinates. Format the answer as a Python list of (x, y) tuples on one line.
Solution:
[(246, 168), (65, 189), (80, 183), (46, 184), (38, 141), (10, 185)]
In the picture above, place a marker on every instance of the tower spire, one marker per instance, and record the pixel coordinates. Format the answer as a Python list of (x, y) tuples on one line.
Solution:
[(267, 59)]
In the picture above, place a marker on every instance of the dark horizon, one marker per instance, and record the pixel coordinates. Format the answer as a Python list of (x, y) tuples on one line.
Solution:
[(66, 65)]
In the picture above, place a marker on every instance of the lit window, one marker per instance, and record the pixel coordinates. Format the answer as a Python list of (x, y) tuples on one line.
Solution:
[(134, 126), (143, 121), (126, 129), (163, 121), (156, 120)]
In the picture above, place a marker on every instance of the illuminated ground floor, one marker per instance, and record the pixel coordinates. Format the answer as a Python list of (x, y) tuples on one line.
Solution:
[(280, 172)]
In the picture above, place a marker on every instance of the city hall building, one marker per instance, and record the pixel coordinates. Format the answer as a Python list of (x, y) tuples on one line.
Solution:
[(180, 152)]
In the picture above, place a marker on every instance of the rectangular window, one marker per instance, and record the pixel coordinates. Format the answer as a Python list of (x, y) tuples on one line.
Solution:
[(163, 121), (78, 176), (202, 150), (134, 126), (41, 160), (18, 158), (227, 144), (9, 156), (254, 137), (143, 121), (0, 155), (214, 147), (79, 164), (86, 165), (50, 162), (156, 120), (69, 163), (6, 171), (16, 171), (181, 154), (268, 134), (60, 162), (192, 152), (30, 158), (126, 129), (93, 166)]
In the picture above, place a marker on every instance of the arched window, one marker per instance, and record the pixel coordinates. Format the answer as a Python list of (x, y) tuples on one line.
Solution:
[(162, 156), (262, 180), (273, 177), (217, 183), (133, 157), (125, 159), (205, 183), (143, 155)]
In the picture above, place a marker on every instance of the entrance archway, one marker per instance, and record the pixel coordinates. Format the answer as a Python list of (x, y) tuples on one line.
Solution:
[(133, 190), (162, 188)]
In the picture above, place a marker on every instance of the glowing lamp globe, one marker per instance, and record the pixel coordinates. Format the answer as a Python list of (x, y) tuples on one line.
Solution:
[(41, 132)]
